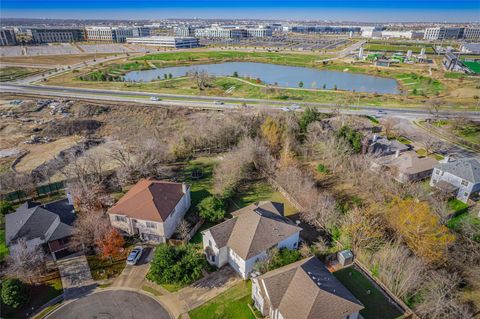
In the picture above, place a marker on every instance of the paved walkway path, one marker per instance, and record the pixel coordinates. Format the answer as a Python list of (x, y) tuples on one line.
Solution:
[(76, 276)]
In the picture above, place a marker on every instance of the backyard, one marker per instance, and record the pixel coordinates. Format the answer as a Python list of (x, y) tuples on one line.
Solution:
[(233, 303), (377, 306)]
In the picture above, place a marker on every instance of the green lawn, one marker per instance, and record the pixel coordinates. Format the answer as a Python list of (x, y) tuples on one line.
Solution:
[(256, 191), (39, 295), (397, 47), (270, 57), (104, 269), (203, 187), (456, 205), (466, 218), (11, 73), (376, 304), (233, 303)]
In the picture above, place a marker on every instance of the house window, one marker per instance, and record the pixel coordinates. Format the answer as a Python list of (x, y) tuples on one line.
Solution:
[(213, 258), (151, 225), (437, 172), (120, 218), (464, 183), (210, 243)]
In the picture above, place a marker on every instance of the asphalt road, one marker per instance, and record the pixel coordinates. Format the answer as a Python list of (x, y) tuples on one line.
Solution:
[(205, 101), (112, 304)]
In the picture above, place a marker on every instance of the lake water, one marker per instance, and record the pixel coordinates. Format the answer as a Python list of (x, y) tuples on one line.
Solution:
[(281, 75)]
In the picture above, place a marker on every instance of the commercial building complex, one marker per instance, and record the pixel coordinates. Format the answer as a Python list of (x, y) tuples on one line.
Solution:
[(216, 31), (7, 37), (471, 33), (169, 42), (184, 31), (115, 34), (442, 33), (49, 35), (322, 29)]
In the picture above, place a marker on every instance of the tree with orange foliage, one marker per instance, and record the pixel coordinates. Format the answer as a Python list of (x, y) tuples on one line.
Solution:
[(111, 244), (272, 131), (420, 228)]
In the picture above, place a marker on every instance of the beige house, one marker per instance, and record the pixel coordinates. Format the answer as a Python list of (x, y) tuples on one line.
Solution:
[(151, 209), (303, 290), (248, 236), (406, 166)]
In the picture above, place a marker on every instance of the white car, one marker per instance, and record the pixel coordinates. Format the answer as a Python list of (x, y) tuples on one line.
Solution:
[(295, 106), (135, 255), (219, 102), (155, 98)]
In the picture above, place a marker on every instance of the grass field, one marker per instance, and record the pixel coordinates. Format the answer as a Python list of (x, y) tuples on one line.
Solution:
[(401, 47), (376, 304), (473, 66), (11, 73), (160, 59), (260, 190), (233, 303)]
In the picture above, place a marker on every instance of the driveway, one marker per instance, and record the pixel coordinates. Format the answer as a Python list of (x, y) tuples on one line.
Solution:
[(76, 276), (208, 287), (134, 276), (114, 304)]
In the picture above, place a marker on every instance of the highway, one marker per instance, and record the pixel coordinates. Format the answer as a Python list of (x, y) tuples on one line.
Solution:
[(209, 101)]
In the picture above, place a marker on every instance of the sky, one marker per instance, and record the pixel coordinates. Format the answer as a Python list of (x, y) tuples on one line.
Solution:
[(336, 10)]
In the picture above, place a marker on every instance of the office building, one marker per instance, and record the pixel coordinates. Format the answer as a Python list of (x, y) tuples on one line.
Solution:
[(443, 33), (471, 33), (114, 34), (184, 31), (7, 37), (49, 35), (259, 32), (232, 32), (168, 42), (139, 32)]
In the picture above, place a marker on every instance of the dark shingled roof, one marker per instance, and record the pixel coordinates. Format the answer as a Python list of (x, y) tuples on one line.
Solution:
[(33, 220), (465, 168), (254, 229), (307, 290)]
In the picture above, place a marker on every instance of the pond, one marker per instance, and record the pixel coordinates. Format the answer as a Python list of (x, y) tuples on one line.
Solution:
[(281, 75)]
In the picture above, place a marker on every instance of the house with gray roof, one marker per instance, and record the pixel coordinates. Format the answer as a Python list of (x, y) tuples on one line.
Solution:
[(461, 176), (47, 225), (303, 290), (248, 236), (382, 146)]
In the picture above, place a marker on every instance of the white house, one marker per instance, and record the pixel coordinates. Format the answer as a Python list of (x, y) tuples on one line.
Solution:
[(151, 209), (247, 237), (462, 176), (303, 290)]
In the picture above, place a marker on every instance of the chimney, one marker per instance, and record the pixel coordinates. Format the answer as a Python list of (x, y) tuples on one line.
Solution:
[(397, 153), (70, 199)]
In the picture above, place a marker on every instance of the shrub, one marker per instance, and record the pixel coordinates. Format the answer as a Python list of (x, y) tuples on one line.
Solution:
[(14, 293), (212, 209), (176, 264), (321, 168), (5, 207), (277, 258)]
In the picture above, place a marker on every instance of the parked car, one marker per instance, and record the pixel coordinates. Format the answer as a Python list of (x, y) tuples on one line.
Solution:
[(155, 98), (135, 255)]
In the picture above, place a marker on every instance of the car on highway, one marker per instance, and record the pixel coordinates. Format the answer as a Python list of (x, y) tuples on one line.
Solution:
[(295, 107), (135, 255), (219, 102), (155, 98)]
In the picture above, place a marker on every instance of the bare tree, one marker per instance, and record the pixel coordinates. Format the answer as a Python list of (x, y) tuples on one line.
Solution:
[(201, 78), (183, 229), (389, 125), (433, 106), (431, 144), (89, 228), (26, 260)]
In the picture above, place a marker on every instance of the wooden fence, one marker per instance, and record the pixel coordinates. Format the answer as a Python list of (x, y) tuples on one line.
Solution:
[(191, 233)]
